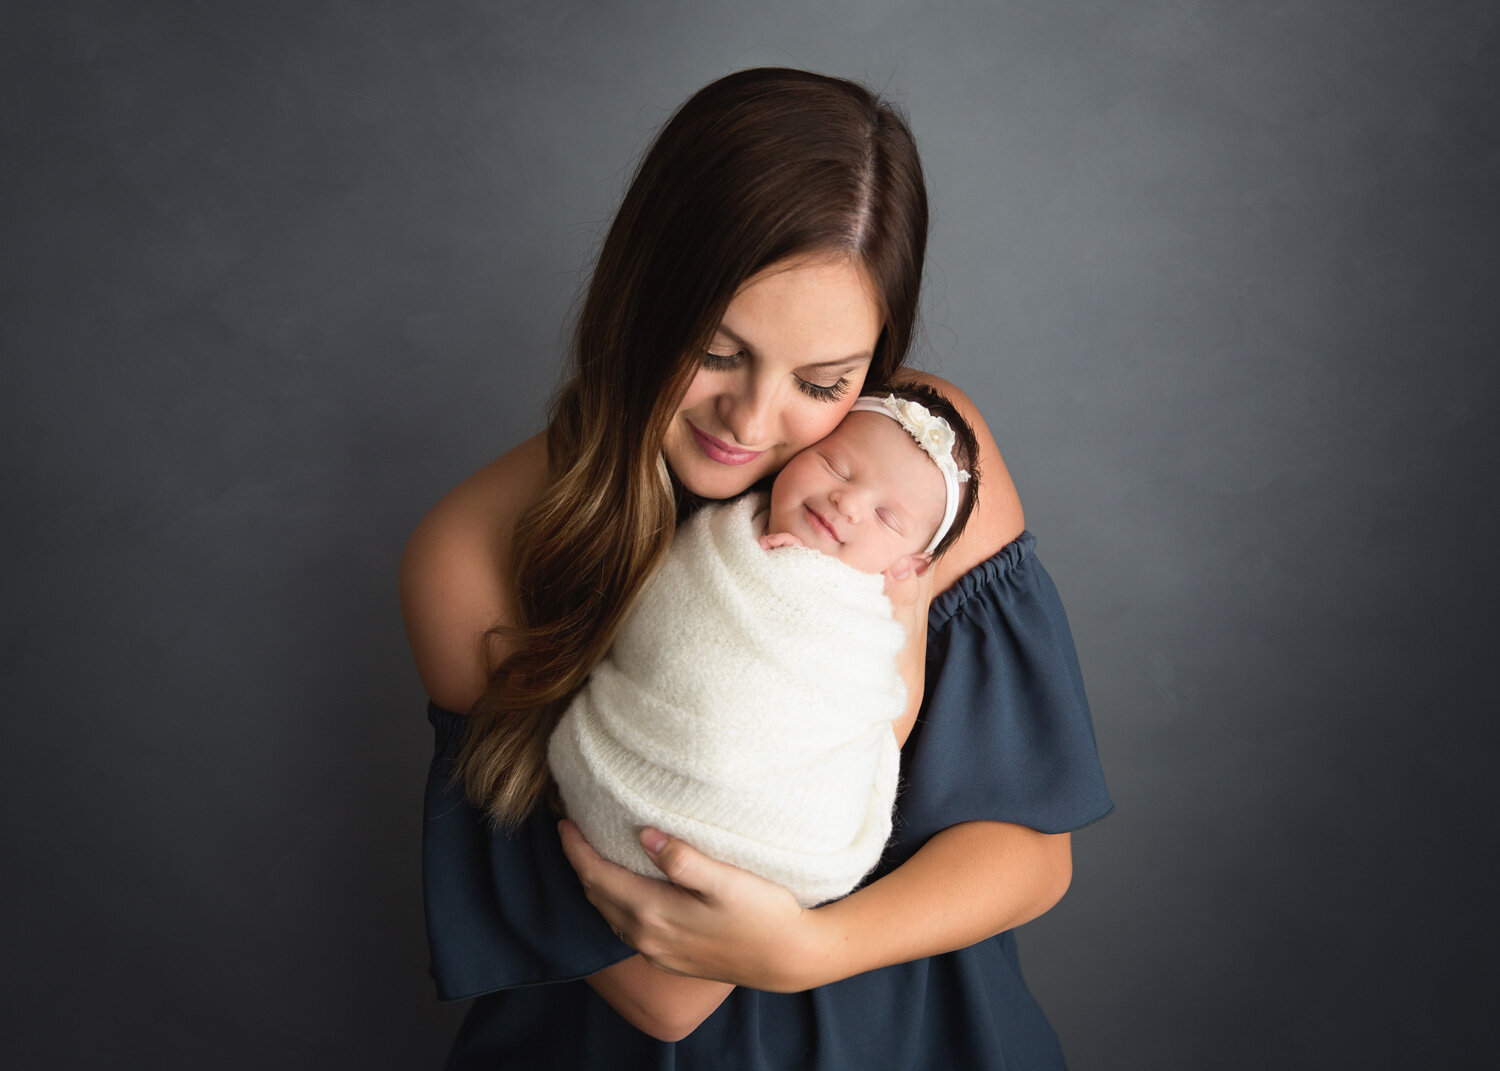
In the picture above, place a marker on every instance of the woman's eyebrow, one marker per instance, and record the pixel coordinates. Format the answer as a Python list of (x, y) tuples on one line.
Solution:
[(842, 362)]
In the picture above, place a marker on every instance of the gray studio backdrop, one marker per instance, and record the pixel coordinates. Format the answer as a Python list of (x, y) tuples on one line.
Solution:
[(276, 275)]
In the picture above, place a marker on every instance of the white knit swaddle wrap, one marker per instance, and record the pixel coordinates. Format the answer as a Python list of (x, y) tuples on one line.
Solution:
[(745, 707)]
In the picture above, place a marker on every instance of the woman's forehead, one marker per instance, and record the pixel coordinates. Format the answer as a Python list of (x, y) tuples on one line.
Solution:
[(820, 312)]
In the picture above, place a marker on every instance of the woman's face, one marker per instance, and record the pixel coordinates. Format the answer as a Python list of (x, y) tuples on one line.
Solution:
[(788, 360)]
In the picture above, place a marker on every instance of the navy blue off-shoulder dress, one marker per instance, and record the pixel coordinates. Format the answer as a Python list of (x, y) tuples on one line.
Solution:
[(1004, 734)]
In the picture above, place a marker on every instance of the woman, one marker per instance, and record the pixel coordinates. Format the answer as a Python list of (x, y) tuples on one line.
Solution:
[(763, 268)]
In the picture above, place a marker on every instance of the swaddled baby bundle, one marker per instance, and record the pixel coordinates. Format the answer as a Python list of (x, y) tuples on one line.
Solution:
[(745, 707)]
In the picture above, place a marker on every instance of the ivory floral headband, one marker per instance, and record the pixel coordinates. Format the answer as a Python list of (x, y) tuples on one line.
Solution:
[(935, 436)]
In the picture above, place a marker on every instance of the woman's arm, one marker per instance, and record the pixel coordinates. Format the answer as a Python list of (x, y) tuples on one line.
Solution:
[(714, 921), (967, 883), (454, 588), (455, 572), (669, 1007)]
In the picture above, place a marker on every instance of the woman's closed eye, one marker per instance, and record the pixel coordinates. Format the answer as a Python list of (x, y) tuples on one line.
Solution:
[(822, 393), (722, 362), (728, 362)]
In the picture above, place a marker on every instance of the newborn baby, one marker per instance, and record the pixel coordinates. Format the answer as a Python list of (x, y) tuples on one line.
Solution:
[(747, 702)]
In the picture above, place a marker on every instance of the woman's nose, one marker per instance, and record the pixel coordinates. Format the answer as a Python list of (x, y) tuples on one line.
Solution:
[(750, 416)]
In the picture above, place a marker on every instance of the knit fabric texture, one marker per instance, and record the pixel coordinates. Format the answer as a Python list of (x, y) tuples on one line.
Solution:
[(746, 708)]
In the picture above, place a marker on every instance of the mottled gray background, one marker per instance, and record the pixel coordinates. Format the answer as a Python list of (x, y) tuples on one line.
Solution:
[(1222, 276)]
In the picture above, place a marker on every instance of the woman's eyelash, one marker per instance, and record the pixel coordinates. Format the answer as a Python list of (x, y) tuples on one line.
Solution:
[(824, 394), (726, 362), (721, 362)]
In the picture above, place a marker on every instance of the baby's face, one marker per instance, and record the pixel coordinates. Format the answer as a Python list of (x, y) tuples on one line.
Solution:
[(866, 494)]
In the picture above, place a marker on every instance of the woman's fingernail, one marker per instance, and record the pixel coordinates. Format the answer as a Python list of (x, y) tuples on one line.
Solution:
[(654, 840)]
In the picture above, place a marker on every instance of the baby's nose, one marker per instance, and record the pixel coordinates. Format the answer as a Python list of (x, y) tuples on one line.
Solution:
[(847, 502)]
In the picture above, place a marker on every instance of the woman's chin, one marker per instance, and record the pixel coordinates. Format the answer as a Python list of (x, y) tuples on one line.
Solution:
[(724, 483)]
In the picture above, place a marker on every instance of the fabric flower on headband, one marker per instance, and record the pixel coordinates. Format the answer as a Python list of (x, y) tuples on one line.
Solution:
[(933, 433)]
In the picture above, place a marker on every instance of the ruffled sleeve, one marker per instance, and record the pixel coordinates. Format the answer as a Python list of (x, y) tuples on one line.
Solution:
[(502, 909), (1005, 732)]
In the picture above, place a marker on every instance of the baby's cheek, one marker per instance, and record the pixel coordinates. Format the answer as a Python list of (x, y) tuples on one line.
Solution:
[(778, 501)]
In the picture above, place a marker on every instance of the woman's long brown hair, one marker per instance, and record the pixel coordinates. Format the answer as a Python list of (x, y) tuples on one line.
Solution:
[(756, 167)]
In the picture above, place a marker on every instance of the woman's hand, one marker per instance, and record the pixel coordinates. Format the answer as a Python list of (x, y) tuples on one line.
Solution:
[(709, 920), (910, 591), (966, 883)]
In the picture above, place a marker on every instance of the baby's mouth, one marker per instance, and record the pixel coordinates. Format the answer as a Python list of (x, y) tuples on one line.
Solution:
[(822, 525)]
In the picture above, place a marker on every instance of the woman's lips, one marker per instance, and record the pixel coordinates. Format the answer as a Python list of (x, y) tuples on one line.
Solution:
[(721, 451), (821, 525)]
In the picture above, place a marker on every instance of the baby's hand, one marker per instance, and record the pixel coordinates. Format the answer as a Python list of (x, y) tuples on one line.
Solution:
[(772, 540)]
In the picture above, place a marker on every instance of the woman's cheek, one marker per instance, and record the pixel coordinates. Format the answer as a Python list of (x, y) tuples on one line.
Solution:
[(819, 425)]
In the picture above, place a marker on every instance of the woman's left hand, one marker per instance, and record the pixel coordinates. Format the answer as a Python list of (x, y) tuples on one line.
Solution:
[(910, 591), (708, 920)]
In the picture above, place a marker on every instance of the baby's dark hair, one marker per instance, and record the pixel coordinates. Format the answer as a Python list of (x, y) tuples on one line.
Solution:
[(965, 451)]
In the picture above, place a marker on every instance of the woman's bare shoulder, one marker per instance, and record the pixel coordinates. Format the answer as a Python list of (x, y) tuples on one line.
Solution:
[(999, 518), (454, 573)]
